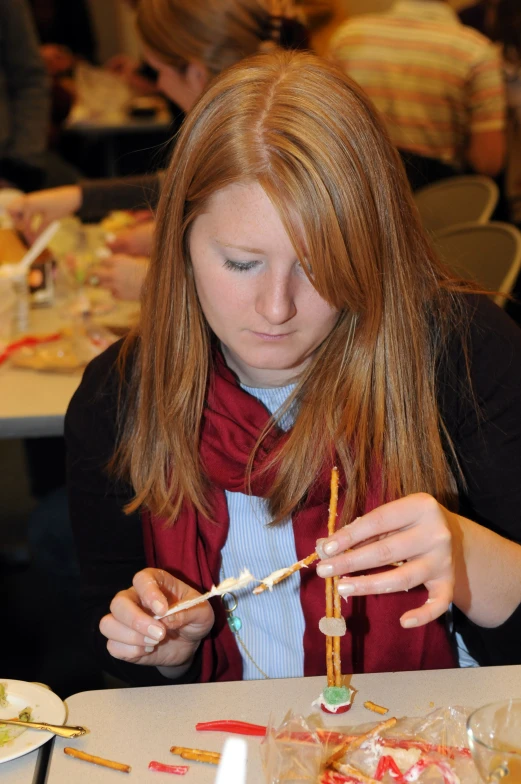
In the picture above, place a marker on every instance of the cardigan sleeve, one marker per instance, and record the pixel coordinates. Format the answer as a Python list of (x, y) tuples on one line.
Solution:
[(108, 541), (485, 427)]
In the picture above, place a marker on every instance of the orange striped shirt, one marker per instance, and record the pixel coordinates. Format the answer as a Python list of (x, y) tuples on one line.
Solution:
[(434, 80)]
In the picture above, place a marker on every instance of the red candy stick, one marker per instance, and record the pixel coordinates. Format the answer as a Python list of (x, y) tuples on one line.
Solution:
[(235, 727), (160, 767)]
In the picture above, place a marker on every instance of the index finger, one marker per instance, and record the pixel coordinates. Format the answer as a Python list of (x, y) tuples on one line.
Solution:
[(380, 521), (149, 584)]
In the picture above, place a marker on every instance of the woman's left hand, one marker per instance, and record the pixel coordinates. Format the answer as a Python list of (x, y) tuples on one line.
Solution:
[(416, 530)]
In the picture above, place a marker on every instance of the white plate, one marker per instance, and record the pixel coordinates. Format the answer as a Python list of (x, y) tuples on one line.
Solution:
[(45, 705)]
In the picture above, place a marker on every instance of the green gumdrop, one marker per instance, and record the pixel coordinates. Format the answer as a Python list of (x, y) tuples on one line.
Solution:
[(336, 695)]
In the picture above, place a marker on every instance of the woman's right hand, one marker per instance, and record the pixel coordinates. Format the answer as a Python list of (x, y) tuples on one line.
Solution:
[(33, 212), (133, 634)]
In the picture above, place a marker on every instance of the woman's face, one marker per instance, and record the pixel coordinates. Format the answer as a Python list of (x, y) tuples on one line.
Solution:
[(183, 87), (252, 289)]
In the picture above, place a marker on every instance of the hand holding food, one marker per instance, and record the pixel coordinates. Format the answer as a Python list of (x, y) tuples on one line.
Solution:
[(135, 240), (135, 636), (122, 275), (33, 212), (415, 530)]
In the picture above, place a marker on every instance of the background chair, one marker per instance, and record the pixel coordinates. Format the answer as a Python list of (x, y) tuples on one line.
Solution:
[(457, 200), (489, 254)]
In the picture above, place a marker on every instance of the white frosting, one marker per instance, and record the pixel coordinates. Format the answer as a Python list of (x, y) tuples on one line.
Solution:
[(333, 627), (226, 586), (332, 708), (272, 578)]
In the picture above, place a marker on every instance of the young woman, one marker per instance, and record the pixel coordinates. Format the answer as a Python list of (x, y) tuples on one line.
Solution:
[(295, 317)]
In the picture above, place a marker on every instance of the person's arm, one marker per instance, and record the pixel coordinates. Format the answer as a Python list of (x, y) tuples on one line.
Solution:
[(472, 558), (486, 147), (109, 542), (26, 81), (91, 200)]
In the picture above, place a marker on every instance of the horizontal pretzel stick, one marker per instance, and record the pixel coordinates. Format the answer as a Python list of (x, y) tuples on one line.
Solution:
[(372, 706), (281, 574), (349, 745), (197, 755), (105, 763)]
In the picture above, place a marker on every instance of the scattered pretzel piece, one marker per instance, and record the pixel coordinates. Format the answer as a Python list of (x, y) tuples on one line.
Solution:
[(372, 706), (105, 763), (197, 755)]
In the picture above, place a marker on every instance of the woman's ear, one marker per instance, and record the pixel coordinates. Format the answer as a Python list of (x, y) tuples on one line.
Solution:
[(196, 76)]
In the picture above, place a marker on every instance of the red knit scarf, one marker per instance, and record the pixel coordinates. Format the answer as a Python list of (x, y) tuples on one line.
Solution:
[(191, 550)]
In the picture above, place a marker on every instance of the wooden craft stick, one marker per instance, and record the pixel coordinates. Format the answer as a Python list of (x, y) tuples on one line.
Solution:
[(352, 745), (105, 763), (197, 755), (277, 577)]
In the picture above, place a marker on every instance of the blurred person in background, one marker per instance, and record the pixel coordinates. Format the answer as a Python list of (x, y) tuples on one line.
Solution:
[(437, 84), (186, 56), (481, 16), (24, 97)]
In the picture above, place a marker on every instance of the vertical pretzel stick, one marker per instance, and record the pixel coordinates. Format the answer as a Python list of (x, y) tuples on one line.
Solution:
[(334, 678)]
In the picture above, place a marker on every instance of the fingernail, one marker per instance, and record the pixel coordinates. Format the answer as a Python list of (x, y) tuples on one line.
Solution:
[(149, 649), (155, 631), (157, 607), (324, 570), (330, 548), (409, 623), (150, 641), (346, 589)]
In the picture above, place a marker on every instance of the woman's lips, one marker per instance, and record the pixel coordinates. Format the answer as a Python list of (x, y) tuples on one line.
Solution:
[(271, 338)]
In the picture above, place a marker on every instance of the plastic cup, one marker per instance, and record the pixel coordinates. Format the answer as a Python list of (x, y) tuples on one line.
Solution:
[(494, 734)]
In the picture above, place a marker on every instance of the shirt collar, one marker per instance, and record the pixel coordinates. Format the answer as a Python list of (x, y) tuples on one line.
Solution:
[(425, 10)]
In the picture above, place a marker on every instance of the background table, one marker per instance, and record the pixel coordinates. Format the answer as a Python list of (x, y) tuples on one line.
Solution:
[(33, 403), (29, 769), (135, 726)]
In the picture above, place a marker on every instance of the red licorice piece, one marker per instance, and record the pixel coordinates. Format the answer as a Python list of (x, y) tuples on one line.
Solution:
[(235, 727), (160, 767)]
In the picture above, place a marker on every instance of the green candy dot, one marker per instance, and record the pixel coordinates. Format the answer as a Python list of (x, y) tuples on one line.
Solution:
[(336, 695)]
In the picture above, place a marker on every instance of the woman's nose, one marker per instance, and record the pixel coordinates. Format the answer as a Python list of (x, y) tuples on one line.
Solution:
[(275, 299)]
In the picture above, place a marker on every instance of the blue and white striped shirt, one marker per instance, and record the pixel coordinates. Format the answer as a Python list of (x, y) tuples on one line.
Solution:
[(273, 623)]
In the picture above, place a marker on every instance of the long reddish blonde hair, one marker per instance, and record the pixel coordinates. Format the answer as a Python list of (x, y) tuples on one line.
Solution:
[(307, 134)]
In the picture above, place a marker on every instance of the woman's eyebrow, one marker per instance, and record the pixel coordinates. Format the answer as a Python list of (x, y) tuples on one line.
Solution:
[(240, 247)]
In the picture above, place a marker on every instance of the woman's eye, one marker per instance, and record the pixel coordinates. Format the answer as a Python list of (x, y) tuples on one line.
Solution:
[(240, 266)]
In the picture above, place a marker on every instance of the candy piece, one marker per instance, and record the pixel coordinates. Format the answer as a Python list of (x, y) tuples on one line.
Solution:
[(332, 627), (160, 767)]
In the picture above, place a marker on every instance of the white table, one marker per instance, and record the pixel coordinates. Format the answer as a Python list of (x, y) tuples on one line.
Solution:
[(33, 404), (136, 726)]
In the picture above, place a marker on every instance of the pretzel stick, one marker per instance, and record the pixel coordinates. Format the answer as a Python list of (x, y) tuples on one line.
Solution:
[(350, 770), (197, 755), (283, 573), (334, 667), (352, 745), (372, 706), (105, 763)]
